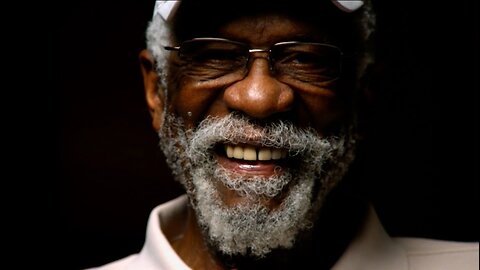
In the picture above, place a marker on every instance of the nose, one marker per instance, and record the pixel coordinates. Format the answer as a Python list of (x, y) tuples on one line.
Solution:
[(259, 95)]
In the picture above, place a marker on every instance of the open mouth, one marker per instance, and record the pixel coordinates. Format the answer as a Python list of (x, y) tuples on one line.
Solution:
[(252, 153), (251, 159)]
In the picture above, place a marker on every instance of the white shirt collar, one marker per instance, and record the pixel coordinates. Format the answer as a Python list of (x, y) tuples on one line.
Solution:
[(157, 253), (372, 249)]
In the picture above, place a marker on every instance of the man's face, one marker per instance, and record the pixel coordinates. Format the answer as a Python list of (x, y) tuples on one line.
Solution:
[(256, 155)]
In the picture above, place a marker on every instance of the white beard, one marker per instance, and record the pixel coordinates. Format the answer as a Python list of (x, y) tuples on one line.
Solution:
[(253, 228)]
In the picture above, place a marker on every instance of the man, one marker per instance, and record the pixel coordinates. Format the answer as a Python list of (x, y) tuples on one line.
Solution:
[(256, 106)]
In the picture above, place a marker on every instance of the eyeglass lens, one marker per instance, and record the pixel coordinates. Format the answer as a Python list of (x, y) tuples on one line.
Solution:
[(206, 59)]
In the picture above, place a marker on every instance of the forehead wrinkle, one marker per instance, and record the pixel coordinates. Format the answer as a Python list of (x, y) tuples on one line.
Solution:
[(260, 28), (264, 30)]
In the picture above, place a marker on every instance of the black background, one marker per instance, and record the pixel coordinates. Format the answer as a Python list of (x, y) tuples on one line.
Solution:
[(107, 173)]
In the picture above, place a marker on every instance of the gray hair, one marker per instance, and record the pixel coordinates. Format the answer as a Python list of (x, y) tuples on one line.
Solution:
[(159, 34)]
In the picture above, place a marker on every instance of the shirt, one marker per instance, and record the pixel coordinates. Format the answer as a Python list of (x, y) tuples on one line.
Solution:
[(371, 249)]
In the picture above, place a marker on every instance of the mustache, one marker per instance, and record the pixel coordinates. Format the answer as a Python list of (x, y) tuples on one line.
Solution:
[(239, 129)]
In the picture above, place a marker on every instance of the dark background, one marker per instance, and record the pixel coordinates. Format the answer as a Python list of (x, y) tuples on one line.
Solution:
[(421, 162)]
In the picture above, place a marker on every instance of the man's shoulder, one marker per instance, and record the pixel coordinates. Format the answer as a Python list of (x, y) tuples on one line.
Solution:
[(157, 252), (440, 254)]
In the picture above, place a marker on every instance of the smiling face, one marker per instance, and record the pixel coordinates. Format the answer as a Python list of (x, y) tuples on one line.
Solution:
[(257, 154), (260, 94)]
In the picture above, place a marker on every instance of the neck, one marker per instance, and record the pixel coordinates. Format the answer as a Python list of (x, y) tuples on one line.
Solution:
[(339, 221), (192, 248), (335, 228)]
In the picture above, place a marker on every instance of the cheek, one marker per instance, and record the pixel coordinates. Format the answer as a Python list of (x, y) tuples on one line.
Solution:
[(320, 108), (194, 100), (325, 112)]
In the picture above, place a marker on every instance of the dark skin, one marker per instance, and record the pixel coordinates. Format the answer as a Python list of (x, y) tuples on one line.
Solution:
[(262, 97)]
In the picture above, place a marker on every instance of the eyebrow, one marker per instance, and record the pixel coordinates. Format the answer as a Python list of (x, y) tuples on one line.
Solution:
[(312, 38), (296, 37)]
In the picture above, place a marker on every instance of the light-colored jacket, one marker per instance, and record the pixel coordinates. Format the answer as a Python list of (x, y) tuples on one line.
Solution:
[(372, 249)]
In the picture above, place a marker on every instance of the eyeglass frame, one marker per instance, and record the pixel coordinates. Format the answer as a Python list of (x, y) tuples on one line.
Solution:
[(259, 50)]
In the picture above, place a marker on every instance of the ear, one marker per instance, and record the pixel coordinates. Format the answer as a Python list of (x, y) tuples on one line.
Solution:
[(155, 96)]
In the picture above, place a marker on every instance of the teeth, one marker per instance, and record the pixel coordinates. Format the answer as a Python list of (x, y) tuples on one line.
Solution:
[(249, 153), (252, 153), (264, 154), (276, 154), (229, 151), (238, 152)]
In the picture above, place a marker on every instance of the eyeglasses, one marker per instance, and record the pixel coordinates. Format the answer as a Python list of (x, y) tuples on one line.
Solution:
[(214, 58)]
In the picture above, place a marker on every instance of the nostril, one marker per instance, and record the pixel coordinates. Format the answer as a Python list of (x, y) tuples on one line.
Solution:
[(286, 117), (285, 99)]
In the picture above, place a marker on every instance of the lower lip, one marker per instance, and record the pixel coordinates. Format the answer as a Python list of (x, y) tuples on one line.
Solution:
[(260, 168)]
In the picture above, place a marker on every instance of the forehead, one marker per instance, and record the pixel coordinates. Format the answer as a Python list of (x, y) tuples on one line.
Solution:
[(268, 28), (259, 22)]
